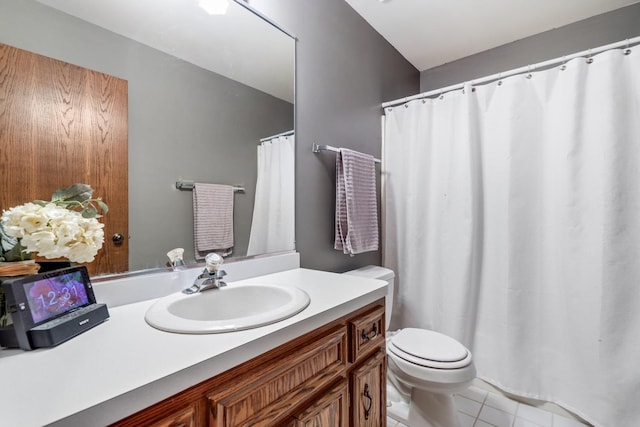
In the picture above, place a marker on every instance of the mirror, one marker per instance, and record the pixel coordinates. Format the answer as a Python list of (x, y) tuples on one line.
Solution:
[(203, 90)]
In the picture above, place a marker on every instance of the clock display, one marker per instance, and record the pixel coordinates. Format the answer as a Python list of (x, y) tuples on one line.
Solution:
[(51, 297)]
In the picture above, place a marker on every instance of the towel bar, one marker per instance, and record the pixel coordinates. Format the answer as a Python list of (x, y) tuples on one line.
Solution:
[(315, 148), (188, 185)]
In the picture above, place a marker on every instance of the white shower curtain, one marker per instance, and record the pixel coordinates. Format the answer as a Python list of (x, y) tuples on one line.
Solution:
[(513, 223), (273, 224)]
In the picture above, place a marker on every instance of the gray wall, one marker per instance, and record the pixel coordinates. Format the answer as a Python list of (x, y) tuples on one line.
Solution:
[(597, 31), (184, 123), (344, 71)]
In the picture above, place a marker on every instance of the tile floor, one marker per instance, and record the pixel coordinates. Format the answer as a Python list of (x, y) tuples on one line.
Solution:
[(481, 408)]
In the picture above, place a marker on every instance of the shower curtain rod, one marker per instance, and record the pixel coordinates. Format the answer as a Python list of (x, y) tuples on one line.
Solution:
[(529, 68), (287, 133)]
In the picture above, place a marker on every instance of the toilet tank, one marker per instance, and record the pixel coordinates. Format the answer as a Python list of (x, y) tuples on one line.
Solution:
[(380, 273)]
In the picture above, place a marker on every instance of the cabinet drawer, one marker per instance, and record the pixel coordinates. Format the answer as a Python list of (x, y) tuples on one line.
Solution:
[(366, 332), (255, 399)]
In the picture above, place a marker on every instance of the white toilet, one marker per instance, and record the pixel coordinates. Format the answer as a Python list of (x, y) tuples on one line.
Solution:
[(425, 368)]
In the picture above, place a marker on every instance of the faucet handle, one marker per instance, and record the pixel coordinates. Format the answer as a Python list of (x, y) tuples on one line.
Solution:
[(213, 261)]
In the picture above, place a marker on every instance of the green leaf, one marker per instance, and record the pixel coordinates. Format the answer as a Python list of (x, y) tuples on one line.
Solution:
[(40, 202), (103, 206), (76, 192), (17, 253), (89, 212)]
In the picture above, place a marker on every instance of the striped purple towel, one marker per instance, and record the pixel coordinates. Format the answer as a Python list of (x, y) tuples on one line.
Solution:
[(212, 219), (356, 203)]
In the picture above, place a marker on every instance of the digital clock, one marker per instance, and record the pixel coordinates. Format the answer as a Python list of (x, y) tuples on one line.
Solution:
[(50, 308), (51, 296)]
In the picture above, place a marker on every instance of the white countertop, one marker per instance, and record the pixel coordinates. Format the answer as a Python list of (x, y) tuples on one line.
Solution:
[(125, 365)]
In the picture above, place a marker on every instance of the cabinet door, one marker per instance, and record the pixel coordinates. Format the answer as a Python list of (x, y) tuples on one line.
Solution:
[(330, 410), (368, 392), (184, 418)]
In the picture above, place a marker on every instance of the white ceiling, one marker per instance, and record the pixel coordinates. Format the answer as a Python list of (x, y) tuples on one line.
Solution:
[(429, 33), (238, 45)]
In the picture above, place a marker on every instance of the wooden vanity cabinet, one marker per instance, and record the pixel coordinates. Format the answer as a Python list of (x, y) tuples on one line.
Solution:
[(334, 376)]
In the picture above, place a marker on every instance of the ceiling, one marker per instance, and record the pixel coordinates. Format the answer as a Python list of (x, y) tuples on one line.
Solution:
[(429, 33), (230, 44)]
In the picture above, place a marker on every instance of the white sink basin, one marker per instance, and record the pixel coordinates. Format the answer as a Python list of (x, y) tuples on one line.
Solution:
[(231, 308)]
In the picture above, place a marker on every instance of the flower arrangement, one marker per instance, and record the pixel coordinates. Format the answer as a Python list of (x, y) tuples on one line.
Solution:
[(64, 227)]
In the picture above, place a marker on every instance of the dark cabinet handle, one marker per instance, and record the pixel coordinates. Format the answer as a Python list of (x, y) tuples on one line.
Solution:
[(368, 336), (117, 238), (368, 403)]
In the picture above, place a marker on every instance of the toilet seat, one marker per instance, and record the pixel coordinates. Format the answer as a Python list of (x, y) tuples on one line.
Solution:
[(429, 349)]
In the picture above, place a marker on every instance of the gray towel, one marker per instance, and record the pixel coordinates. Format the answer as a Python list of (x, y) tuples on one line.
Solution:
[(212, 219), (356, 203)]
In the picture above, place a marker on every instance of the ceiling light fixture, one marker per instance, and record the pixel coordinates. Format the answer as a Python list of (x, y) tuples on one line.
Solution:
[(214, 7)]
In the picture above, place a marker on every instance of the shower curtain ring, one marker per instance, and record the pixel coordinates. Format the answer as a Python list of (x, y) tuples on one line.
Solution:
[(589, 57), (627, 49), (529, 75), (499, 79), (564, 63)]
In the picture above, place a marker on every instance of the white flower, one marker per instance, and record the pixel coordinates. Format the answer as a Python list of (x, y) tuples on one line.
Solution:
[(52, 231)]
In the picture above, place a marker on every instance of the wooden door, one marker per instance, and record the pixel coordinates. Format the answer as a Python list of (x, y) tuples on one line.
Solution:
[(62, 124)]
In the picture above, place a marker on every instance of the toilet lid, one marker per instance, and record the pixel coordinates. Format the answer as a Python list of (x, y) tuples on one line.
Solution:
[(429, 348)]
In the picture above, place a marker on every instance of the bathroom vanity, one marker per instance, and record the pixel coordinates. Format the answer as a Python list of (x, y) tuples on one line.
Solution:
[(333, 376), (322, 366)]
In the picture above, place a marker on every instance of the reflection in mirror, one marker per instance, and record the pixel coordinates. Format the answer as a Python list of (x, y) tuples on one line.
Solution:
[(273, 225), (203, 90)]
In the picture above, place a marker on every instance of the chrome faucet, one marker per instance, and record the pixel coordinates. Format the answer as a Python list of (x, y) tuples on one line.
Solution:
[(207, 280), (211, 276), (176, 260)]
